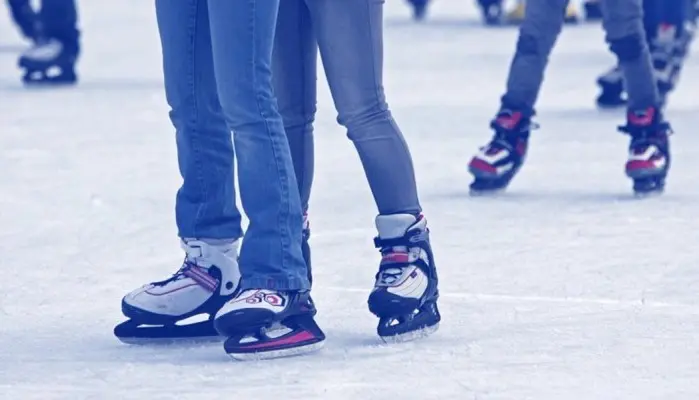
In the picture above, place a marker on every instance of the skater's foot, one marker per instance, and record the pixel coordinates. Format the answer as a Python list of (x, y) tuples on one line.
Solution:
[(158, 312), (405, 293), (649, 151), (265, 324), (612, 84), (49, 62), (499, 161)]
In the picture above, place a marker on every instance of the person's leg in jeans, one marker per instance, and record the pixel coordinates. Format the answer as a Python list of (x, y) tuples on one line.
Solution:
[(294, 75), (208, 221), (350, 38), (207, 218), (274, 283), (57, 44)]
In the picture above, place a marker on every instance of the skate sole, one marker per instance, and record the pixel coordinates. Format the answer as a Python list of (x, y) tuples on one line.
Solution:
[(274, 354), (411, 336)]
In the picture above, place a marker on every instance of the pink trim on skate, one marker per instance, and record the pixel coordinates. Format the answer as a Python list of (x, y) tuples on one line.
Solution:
[(202, 278), (294, 339), (479, 164), (395, 257), (637, 165), (171, 291)]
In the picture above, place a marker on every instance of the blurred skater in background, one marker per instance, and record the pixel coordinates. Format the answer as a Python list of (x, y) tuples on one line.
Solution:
[(53, 29), (669, 30), (648, 163)]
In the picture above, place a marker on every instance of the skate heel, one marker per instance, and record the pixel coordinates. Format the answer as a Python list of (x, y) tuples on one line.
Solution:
[(409, 327)]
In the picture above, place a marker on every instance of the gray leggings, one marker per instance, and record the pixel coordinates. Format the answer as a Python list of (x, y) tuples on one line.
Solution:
[(623, 24), (349, 34)]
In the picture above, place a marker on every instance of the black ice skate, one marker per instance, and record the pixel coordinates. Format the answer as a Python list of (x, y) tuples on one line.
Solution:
[(499, 161), (49, 62), (613, 93), (183, 306), (492, 11), (264, 324), (668, 52), (649, 151), (405, 293), (419, 8)]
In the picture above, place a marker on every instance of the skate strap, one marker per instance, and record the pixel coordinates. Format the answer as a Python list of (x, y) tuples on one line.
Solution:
[(201, 277)]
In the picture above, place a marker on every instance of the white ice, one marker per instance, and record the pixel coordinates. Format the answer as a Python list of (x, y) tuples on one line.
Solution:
[(566, 287)]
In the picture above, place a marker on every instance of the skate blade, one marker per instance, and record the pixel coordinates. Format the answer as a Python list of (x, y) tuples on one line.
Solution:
[(411, 336), (178, 341), (486, 192), (282, 353)]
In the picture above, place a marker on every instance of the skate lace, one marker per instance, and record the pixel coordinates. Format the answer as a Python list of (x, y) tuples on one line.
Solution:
[(396, 256), (647, 134), (506, 137), (180, 274), (194, 272)]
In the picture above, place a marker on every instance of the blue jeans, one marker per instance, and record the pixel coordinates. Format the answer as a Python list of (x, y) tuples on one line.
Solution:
[(349, 34), (217, 67)]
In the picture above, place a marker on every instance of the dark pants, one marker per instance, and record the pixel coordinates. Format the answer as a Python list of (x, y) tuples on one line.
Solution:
[(57, 19)]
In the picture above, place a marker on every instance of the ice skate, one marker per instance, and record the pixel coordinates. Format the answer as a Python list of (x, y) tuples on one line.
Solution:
[(158, 312), (49, 62), (492, 11), (499, 161), (405, 292), (264, 324), (613, 94), (419, 9), (649, 151)]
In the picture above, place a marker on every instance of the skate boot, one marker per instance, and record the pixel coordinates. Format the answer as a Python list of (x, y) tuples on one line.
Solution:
[(499, 161), (612, 85), (419, 9), (264, 324), (649, 150), (667, 58), (158, 312), (492, 11), (49, 62), (405, 293)]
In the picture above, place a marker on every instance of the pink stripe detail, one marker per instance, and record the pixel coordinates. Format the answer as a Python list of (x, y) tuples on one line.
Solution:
[(293, 339), (202, 278), (395, 258), (481, 165)]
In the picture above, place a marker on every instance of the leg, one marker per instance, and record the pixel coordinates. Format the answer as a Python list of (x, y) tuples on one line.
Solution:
[(500, 160), (350, 37), (274, 279), (207, 218), (649, 152), (353, 61), (24, 16), (295, 75), (242, 34), (537, 36), (623, 23)]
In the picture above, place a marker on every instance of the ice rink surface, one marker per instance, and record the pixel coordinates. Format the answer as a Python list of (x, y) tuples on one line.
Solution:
[(565, 287)]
